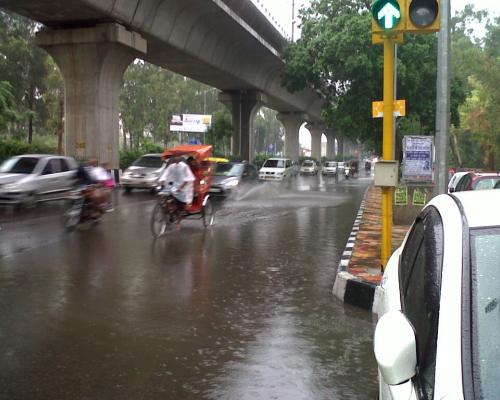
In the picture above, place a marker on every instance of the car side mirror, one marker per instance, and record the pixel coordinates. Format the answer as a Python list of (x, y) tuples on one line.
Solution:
[(452, 189), (395, 348)]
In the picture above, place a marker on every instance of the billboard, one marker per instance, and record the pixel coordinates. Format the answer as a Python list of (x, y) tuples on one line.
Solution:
[(418, 156), (190, 123)]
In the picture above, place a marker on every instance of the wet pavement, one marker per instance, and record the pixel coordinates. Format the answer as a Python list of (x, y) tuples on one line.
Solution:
[(242, 310)]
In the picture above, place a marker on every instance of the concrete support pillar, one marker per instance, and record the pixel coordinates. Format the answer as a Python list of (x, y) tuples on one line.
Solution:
[(243, 106), (92, 62), (330, 146), (316, 131), (292, 123), (340, 142)]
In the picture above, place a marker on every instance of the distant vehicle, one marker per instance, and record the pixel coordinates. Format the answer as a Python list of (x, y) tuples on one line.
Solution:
[(30, 178), (329, 168), (437, 332), (276, 169), (477, 181), (454, 180), (309, 167), (229, 177), (143, 173), (341, 167), (368, 167)]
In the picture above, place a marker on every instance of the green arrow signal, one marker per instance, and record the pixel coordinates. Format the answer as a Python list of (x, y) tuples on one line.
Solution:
[(387, 13), (390, 14)]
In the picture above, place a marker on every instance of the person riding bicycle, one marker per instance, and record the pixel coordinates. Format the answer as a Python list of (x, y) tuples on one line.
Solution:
[(179, 180)]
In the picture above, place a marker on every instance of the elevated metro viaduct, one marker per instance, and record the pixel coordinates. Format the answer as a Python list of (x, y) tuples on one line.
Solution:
[(227, 44)]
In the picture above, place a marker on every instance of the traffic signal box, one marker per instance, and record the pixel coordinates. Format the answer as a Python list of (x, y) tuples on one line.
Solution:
[(399, 16)]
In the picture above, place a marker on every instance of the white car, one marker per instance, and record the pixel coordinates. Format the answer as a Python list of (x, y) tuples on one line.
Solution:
[(276, 169), (30, 178), (143, 173), (438, 333), (329, 168), (309, 167)]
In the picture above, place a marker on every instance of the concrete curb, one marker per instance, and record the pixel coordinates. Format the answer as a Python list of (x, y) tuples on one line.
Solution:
[(347, 287)]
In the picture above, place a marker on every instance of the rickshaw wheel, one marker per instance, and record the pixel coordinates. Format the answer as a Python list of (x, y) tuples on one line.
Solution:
[(208, 214), (159, 220)]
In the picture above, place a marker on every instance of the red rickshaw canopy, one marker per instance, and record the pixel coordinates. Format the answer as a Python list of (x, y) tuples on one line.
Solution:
[(199, 151)]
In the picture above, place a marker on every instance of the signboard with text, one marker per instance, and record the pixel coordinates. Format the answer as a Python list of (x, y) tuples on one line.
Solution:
[(418, 154), (190, 123)]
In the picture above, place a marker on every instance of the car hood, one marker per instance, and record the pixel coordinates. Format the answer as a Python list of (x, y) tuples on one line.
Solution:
[(267, 169), (142, 170), (6, 178), (223, 180)]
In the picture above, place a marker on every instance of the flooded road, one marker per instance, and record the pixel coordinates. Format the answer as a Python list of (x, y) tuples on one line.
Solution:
[(242, 310)]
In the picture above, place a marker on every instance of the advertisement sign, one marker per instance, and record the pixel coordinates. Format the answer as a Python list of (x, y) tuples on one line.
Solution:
[(190, 123), (418, 159), (401, 196)]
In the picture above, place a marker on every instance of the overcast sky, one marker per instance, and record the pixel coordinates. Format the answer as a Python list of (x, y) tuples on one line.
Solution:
[(280, 12)]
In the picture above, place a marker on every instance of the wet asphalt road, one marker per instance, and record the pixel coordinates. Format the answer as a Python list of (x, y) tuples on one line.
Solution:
[(242, 310)]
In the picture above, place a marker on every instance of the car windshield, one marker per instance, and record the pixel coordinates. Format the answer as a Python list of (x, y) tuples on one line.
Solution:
[(487, 183), (148, 162), (21, 165), (307, 164), (485, 263), (228, 169), (274, 164), (331, 164)]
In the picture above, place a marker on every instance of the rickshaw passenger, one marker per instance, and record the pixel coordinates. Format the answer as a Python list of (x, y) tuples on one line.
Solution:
[(180, 180)]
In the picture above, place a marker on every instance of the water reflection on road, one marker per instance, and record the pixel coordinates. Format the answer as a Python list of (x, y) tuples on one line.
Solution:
[(240, 311)]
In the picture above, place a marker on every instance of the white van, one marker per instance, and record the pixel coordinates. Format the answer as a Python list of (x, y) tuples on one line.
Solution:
[(276, 169)]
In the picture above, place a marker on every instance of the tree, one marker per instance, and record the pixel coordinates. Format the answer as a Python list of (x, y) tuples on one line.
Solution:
[(220, 133), (336, 57), (23, 65), (7, 111)]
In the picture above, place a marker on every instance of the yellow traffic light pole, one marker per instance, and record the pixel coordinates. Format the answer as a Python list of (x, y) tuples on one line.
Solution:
[(388, 145)]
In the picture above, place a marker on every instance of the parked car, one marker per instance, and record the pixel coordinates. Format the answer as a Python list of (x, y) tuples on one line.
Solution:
[(30, 178), (229, 177), (477, 181), (439, 304), (452, 184), (276, 169), (143, 173), (329, 168), (309, 167)]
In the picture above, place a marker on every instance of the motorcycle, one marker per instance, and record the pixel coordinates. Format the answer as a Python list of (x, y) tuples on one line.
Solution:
[(82, 208), (347, 172)]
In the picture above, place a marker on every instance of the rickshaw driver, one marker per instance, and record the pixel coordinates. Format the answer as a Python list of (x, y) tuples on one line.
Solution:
[(180, 181)]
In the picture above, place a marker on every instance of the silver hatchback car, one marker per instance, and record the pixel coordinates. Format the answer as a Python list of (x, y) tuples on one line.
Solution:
[(143, 173), (29, 178)]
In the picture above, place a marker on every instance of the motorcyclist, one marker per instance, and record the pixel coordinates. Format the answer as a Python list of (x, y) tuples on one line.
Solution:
[(87, 175)]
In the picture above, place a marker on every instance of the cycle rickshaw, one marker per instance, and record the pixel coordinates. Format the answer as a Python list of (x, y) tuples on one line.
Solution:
[(166, 212)]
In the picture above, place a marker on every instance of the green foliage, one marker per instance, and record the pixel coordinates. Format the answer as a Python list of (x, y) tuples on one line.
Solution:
[(336, 57), (7, 111), (268, 131), (23, 65), (128, 156), (259, 159), (151, 95), (12, 147), (219, 134)]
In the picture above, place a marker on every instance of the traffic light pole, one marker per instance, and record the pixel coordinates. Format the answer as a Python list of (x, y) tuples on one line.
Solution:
[(388, 146)]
